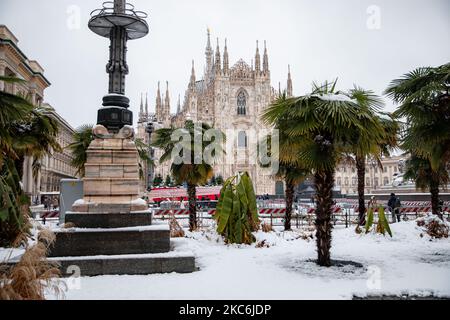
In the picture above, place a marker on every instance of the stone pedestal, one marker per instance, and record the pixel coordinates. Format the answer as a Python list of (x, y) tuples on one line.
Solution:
[(111, 183), (113, 231)]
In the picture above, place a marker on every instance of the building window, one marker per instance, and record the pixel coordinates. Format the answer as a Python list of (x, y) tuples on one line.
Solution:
[(385, 169), (339, 181), (242, 139), (386, 181), (241, 104), (368, 181), (346, 181), (354, 181)]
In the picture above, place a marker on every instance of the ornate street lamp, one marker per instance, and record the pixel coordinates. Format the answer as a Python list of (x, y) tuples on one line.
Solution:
[(119, 22)]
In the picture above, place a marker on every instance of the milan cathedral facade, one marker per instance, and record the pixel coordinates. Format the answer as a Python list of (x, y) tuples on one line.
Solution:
[(227, 98)]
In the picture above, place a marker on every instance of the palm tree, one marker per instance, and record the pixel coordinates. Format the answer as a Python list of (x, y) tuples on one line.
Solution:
[(25, 130), (35, 136), (419, 170), (424, 99), (290, 170), (382, 129), (13, 108), (322, 123), (292, 176), (144, 155), (81, 141), (192, 172), (82, 138)]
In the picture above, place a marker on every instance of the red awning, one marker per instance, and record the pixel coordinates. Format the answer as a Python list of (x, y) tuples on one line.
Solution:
[(178, 194)]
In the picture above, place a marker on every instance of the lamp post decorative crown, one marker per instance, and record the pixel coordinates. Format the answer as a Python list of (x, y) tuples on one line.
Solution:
[(119, 22)]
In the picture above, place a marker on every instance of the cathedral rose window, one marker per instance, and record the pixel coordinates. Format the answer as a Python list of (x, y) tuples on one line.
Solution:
[(241, 103)]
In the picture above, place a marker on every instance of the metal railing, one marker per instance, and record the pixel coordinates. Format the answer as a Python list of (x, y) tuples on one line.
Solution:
[(108, 9)]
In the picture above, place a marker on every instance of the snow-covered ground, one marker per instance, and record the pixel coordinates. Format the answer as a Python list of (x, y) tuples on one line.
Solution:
[(282, 269)]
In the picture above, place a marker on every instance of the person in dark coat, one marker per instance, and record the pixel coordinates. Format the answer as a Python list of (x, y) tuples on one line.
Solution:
[(394, 205)]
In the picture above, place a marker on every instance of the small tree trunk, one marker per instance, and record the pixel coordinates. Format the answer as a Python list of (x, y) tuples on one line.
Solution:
[(361, 171), (434, 190), (289, 200), (192, 194), (324, 181)]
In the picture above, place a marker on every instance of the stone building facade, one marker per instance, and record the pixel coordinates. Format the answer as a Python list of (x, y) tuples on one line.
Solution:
[(229, 97), (14, 63), (58, 165), (377, 178)]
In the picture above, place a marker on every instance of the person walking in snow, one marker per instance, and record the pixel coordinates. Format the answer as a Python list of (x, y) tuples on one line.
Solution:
[(394, 205)]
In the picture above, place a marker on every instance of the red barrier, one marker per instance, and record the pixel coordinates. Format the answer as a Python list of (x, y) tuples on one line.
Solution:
[(167, 212), (49, 214)]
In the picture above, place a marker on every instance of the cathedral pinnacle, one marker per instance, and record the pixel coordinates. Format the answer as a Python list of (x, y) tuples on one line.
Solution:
[(289, 83), (226, 64), (218, 66), (146, 104), (257, 59)]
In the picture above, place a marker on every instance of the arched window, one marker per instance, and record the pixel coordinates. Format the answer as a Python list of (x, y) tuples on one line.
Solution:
[(242, 139), (241, 104)]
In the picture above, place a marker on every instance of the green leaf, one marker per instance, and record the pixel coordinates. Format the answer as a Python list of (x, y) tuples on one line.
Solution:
[(226, 209), (369, 221), (384, 221), (4, 214), (237, 219)]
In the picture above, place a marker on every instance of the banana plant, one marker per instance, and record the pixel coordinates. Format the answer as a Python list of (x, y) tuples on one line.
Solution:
[(382, 224), (236, 212)]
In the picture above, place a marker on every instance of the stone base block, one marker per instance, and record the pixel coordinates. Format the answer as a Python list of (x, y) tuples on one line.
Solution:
[(109, 220), (127, 265), (94, 242), (110, 204)]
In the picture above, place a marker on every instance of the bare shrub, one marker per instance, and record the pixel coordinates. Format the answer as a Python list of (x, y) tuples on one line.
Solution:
[(434, 227), (33, 275), (266, 227), (176, 231)]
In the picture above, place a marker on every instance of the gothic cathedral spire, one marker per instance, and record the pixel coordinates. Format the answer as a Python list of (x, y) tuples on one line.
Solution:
[(289, 83), (218, 66), (226, 64), (192, 81), (167, 102), (141, 111), (209, 54), (257, 59), (159, 104), (265, 60), (179, 105)]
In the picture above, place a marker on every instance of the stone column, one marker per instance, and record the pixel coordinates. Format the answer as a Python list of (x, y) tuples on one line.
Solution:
[(30, 175), (38, 183)]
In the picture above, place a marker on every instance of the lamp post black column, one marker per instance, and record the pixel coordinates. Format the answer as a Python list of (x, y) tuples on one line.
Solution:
[(119, 22)]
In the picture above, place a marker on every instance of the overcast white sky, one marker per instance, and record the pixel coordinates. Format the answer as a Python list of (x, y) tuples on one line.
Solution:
[(320, 40)]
